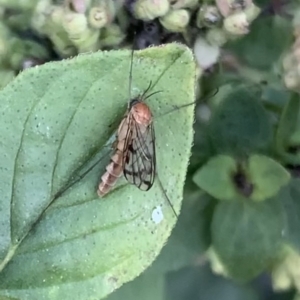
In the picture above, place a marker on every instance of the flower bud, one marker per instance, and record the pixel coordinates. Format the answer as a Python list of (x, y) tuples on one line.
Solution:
[(208, 16), (216, 264), (237, 5), (74, 24), (184, 4), (98, 17), (147, 10), (175, 20), (78, 6), (216, 36), (6, 76), (102, 14), (88, 42), (111, 36), (252, 12), (227, 7), (57, 15), (296, 54), (62, 44), (84, 38), (4, 42), (292, 80), (236, 24), (286, 273), (206, 55), (288, 61)]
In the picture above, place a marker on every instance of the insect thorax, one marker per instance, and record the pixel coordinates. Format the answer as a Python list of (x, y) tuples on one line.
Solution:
[(133, 102)]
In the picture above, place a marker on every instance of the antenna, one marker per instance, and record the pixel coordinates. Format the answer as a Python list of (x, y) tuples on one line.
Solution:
[(130, 70), (187, 104)]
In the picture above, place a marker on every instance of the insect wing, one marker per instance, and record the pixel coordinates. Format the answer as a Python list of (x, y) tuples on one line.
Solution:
[(139, 159)]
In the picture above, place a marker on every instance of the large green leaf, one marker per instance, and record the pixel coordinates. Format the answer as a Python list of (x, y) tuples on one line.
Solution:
[(199, 283), (240, 125), (268, 177), (247, 236), (287, 134), (58, 240), (216, 177)]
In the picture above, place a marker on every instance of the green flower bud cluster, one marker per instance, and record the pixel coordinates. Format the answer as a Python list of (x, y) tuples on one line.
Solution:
[(78, 26), (226, 20), (24, 5), (223, 21), (231, 16), (14, 51), (147, 10), (72, 26), (238, 15)]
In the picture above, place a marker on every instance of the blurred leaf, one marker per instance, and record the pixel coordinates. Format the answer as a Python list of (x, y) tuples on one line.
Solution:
[(268, 38), (224, 92), (57, 238), (290, 196), (215, 177), (240, 125), (198, 283), (267, 176), (288, 123), (275, 96), (201, 150), (145, 287), (247, 235), (6, 76)]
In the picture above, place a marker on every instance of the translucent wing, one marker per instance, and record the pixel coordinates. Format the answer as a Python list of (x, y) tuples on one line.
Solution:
[(139, 159)]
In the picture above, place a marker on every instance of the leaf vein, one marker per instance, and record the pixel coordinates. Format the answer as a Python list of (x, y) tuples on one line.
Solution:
[(81, 235)]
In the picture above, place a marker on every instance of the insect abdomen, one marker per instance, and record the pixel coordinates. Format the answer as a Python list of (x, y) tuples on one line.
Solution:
[(113, 171)]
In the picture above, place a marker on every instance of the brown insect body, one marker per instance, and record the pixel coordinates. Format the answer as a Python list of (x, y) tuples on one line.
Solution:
[(113, 172), (139, 159), (115, 168), (136, 123), (140, 112)]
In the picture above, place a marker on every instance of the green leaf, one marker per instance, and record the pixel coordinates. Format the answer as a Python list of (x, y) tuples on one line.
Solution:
[(145, 287), (267, 176), (198, 282), (267, 40), (240, 125), (58, 240), (275, 96), (216, 177), (288, 122), (247, 236), (264, 174), (290, 196), (201, 150)]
